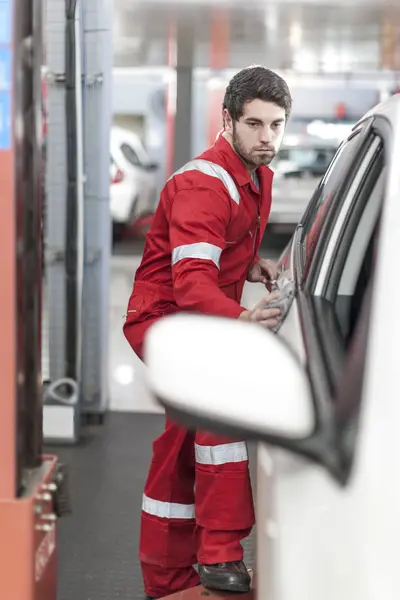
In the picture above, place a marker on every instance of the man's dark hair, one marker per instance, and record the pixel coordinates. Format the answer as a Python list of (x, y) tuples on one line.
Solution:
[(256, 83)]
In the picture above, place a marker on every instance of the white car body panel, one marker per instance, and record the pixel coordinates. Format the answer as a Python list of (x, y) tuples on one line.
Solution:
[(315, 539), (122, 196), (136, 193)]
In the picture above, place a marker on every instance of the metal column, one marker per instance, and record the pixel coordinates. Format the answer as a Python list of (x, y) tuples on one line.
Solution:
[(184, 87), (63, 221), (97, 19), (77, 339)]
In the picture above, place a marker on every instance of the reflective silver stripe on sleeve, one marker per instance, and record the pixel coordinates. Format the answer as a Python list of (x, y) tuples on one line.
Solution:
[(202, 250), (213, 170), (167, 510), (220, 455)]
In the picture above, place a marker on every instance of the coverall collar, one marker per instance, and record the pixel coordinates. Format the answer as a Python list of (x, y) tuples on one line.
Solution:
[(233, 163)]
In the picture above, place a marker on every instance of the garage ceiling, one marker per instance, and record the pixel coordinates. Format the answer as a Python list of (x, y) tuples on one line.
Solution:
[(309, 36)]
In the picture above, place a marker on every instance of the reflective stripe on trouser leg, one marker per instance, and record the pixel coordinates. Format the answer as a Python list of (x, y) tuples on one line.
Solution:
[(167, 527), (224, 499)]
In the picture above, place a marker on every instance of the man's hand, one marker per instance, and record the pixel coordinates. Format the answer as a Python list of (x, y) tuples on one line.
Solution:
[(268, 317), (264, 272)]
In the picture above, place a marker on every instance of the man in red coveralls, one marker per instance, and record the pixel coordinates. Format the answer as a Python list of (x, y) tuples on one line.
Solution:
[(202, 247)]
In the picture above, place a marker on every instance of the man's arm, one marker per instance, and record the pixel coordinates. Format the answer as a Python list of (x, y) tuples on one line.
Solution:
[(199, 218)]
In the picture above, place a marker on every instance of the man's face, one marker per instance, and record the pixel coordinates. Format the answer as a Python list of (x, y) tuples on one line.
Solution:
[(258, 134)]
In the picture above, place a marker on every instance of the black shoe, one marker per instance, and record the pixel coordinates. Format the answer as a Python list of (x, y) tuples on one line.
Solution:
[(228, 576)]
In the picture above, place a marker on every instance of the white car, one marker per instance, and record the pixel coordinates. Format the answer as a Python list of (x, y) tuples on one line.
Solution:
[(133, 189), (322, 396), (298, 167)]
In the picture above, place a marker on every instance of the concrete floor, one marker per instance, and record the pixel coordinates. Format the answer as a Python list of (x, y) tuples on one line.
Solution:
[(126, 372)]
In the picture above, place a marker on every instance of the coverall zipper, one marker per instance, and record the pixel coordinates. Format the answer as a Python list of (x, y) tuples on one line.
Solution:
[(257, 232)]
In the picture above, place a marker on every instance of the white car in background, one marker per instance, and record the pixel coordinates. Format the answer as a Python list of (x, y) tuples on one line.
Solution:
[(322, 396), (133, 189), (298, 168)]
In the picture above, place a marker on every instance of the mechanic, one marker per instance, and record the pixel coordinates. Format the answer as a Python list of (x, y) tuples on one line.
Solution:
[(202, 246)]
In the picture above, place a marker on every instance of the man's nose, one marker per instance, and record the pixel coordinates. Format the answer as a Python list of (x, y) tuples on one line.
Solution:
[(266, 134)]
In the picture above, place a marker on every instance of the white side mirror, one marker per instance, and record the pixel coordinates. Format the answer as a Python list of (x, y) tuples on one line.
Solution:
[(224, 374)]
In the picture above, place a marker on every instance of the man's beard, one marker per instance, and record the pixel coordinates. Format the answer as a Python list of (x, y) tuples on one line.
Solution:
[(252, 160)]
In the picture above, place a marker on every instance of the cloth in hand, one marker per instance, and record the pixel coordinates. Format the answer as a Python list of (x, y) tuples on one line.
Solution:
[(285, 287)]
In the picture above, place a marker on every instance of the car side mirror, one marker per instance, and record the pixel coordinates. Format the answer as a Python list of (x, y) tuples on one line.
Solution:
[(228, 376)]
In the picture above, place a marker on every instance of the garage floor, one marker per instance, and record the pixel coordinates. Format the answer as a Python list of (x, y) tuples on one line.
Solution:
[(99, 542)]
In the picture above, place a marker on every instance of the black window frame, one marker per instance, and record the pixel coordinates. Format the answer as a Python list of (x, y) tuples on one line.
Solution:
[(310, 269), (331, 341), (329, 444), (327, 330)]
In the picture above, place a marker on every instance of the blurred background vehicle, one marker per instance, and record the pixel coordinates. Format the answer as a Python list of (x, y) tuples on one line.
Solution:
[(303, 156), (298, 168), (133, 190)]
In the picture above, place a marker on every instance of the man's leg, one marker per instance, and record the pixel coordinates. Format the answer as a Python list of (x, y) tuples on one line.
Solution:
[(167, 538), (224, 511)]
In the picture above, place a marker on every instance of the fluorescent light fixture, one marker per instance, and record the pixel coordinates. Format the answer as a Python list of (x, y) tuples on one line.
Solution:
[(295, 35)]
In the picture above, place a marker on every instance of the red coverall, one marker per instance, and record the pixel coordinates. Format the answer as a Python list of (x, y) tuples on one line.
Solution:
[(197, 502)]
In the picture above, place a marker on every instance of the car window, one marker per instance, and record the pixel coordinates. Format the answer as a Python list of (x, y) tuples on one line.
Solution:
[(352, 307), (334, 310), (321, 201), (360, 240), (359, 186), (130, 155), (348, 257)]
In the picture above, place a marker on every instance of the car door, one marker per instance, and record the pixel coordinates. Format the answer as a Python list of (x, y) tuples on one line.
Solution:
[(311, 513)]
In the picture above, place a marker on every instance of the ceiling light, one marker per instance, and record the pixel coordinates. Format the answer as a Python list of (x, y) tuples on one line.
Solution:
[(305, 61)]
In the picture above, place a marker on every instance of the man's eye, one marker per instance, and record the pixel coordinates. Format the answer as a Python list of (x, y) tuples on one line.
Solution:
[(254, 125), (276, 125)]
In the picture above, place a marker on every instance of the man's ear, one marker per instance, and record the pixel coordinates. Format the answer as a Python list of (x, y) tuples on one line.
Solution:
[(228, 123)]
